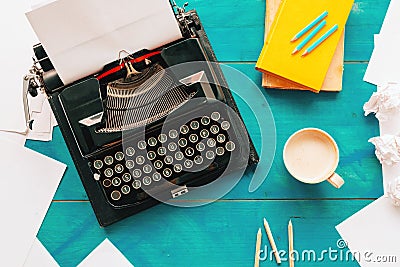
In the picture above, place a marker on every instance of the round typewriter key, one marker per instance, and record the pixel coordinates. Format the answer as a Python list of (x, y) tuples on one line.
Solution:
[(198, 160), (167, 172), (184, 129), (152, 141), (96, 176), (189, 151), (193, 138), (119, 156), (142, 145), (158, 164), (172, 146), (182, 142), (205, 120), (146, 180), (136, 184), (162, 151), (108, 172), (125, 189), (204, 133), (147, 168), (130, 151), (115, 195), (140, 160), (168, 160), (225, 125), (107, 183), (177, 168), (119, 168), (179, 155), (151, 155), (230, 146), (215, 116), (221, 138), (188, 164), (210, 155), (211, 142), (126, 177), (98, 164), (194, 125), (156, 177), (108, 160), (200, 146), (220, 151), (162, 138), (137, 173), (129, 164), (116, 181), (173, 133), (214, 129)]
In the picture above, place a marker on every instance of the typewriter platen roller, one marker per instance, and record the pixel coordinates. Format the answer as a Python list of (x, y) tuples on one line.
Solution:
[(116, 124)]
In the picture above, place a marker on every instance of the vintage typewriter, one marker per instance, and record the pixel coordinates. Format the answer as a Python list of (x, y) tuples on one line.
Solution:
[(115, 123)]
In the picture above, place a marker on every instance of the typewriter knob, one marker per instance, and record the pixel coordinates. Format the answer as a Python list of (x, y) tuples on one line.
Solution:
[(156, 177), (126, 177), (136, 184), (177, 168), (225, 125), (230, 146), (221, 138), (107, 183), (179, 155), (125, 189), (220, 151), (33, 88), (115, 195), (116, 181), (210, 155), (200, 146), (146, 180), (198, 160)]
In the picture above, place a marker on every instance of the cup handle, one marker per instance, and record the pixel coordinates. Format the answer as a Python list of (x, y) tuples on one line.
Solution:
[(336, 180)]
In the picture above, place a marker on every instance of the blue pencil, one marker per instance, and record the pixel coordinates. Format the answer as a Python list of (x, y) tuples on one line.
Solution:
[(309, 26), (320, 40), (309, 37)]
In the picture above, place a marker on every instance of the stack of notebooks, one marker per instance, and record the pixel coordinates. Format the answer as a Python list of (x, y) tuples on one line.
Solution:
[(321, 69)]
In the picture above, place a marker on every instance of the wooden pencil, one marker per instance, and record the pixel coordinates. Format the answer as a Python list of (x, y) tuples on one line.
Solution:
[(272, 241), (290, 235), (258, 247)]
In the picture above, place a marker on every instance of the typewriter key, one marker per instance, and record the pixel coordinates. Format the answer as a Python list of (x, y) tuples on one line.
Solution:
[(151, 155), (119, 168), (182, 142), (98, 164), (142, 145), (130, 151), (194, 125), (156, 177), (221, 138), (167, 172), (96, 176), (115, 195), (220, 151), (162, 138), (210, 155), (116, 181), (136, 173), (152, 141), (193, 138), (179, 155), (129, 164), (126, 177), (188, 164), (200, 146), (168, 160), (119, 156), (211, 142), (146, 180), (172, 146), (140, 160), (125, 189), (147, 168), (173, 133), (184, 129), (108, 172), (189, 151), (107, 183), (198, 160), (205, 120), (230, 146), (136, 184), (162, 151), (204, 133), (215, 116), (158, 164), (225, 125), (108, 160), (214, 129), (177, 168)]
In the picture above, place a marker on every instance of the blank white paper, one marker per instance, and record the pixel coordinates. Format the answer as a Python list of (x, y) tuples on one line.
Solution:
[(17, 138), (39, 256), (373, 235), (28, 183), (106, 254), (81, 36)]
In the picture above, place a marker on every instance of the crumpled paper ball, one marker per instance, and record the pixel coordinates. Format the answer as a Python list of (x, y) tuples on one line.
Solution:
[(387, 148), (384, 102), (393, 191)]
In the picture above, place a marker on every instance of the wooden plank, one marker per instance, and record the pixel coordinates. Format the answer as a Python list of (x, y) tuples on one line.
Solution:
[(219, 234)]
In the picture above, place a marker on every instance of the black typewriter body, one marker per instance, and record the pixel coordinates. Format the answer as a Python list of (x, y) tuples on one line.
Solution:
[(123, 153)]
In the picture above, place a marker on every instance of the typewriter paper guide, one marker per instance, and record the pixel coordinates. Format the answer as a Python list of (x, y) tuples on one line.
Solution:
[(81, 36)]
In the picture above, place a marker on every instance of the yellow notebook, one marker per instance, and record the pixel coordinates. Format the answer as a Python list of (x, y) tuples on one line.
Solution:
[(292, 16)]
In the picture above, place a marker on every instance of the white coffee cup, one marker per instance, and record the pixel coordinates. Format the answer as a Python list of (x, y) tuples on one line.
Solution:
[(312, 156)]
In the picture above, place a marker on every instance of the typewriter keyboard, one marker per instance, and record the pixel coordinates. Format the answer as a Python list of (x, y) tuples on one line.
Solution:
[(123, 174)]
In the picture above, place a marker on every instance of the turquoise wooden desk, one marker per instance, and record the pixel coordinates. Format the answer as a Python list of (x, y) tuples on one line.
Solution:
[(223, 233)]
